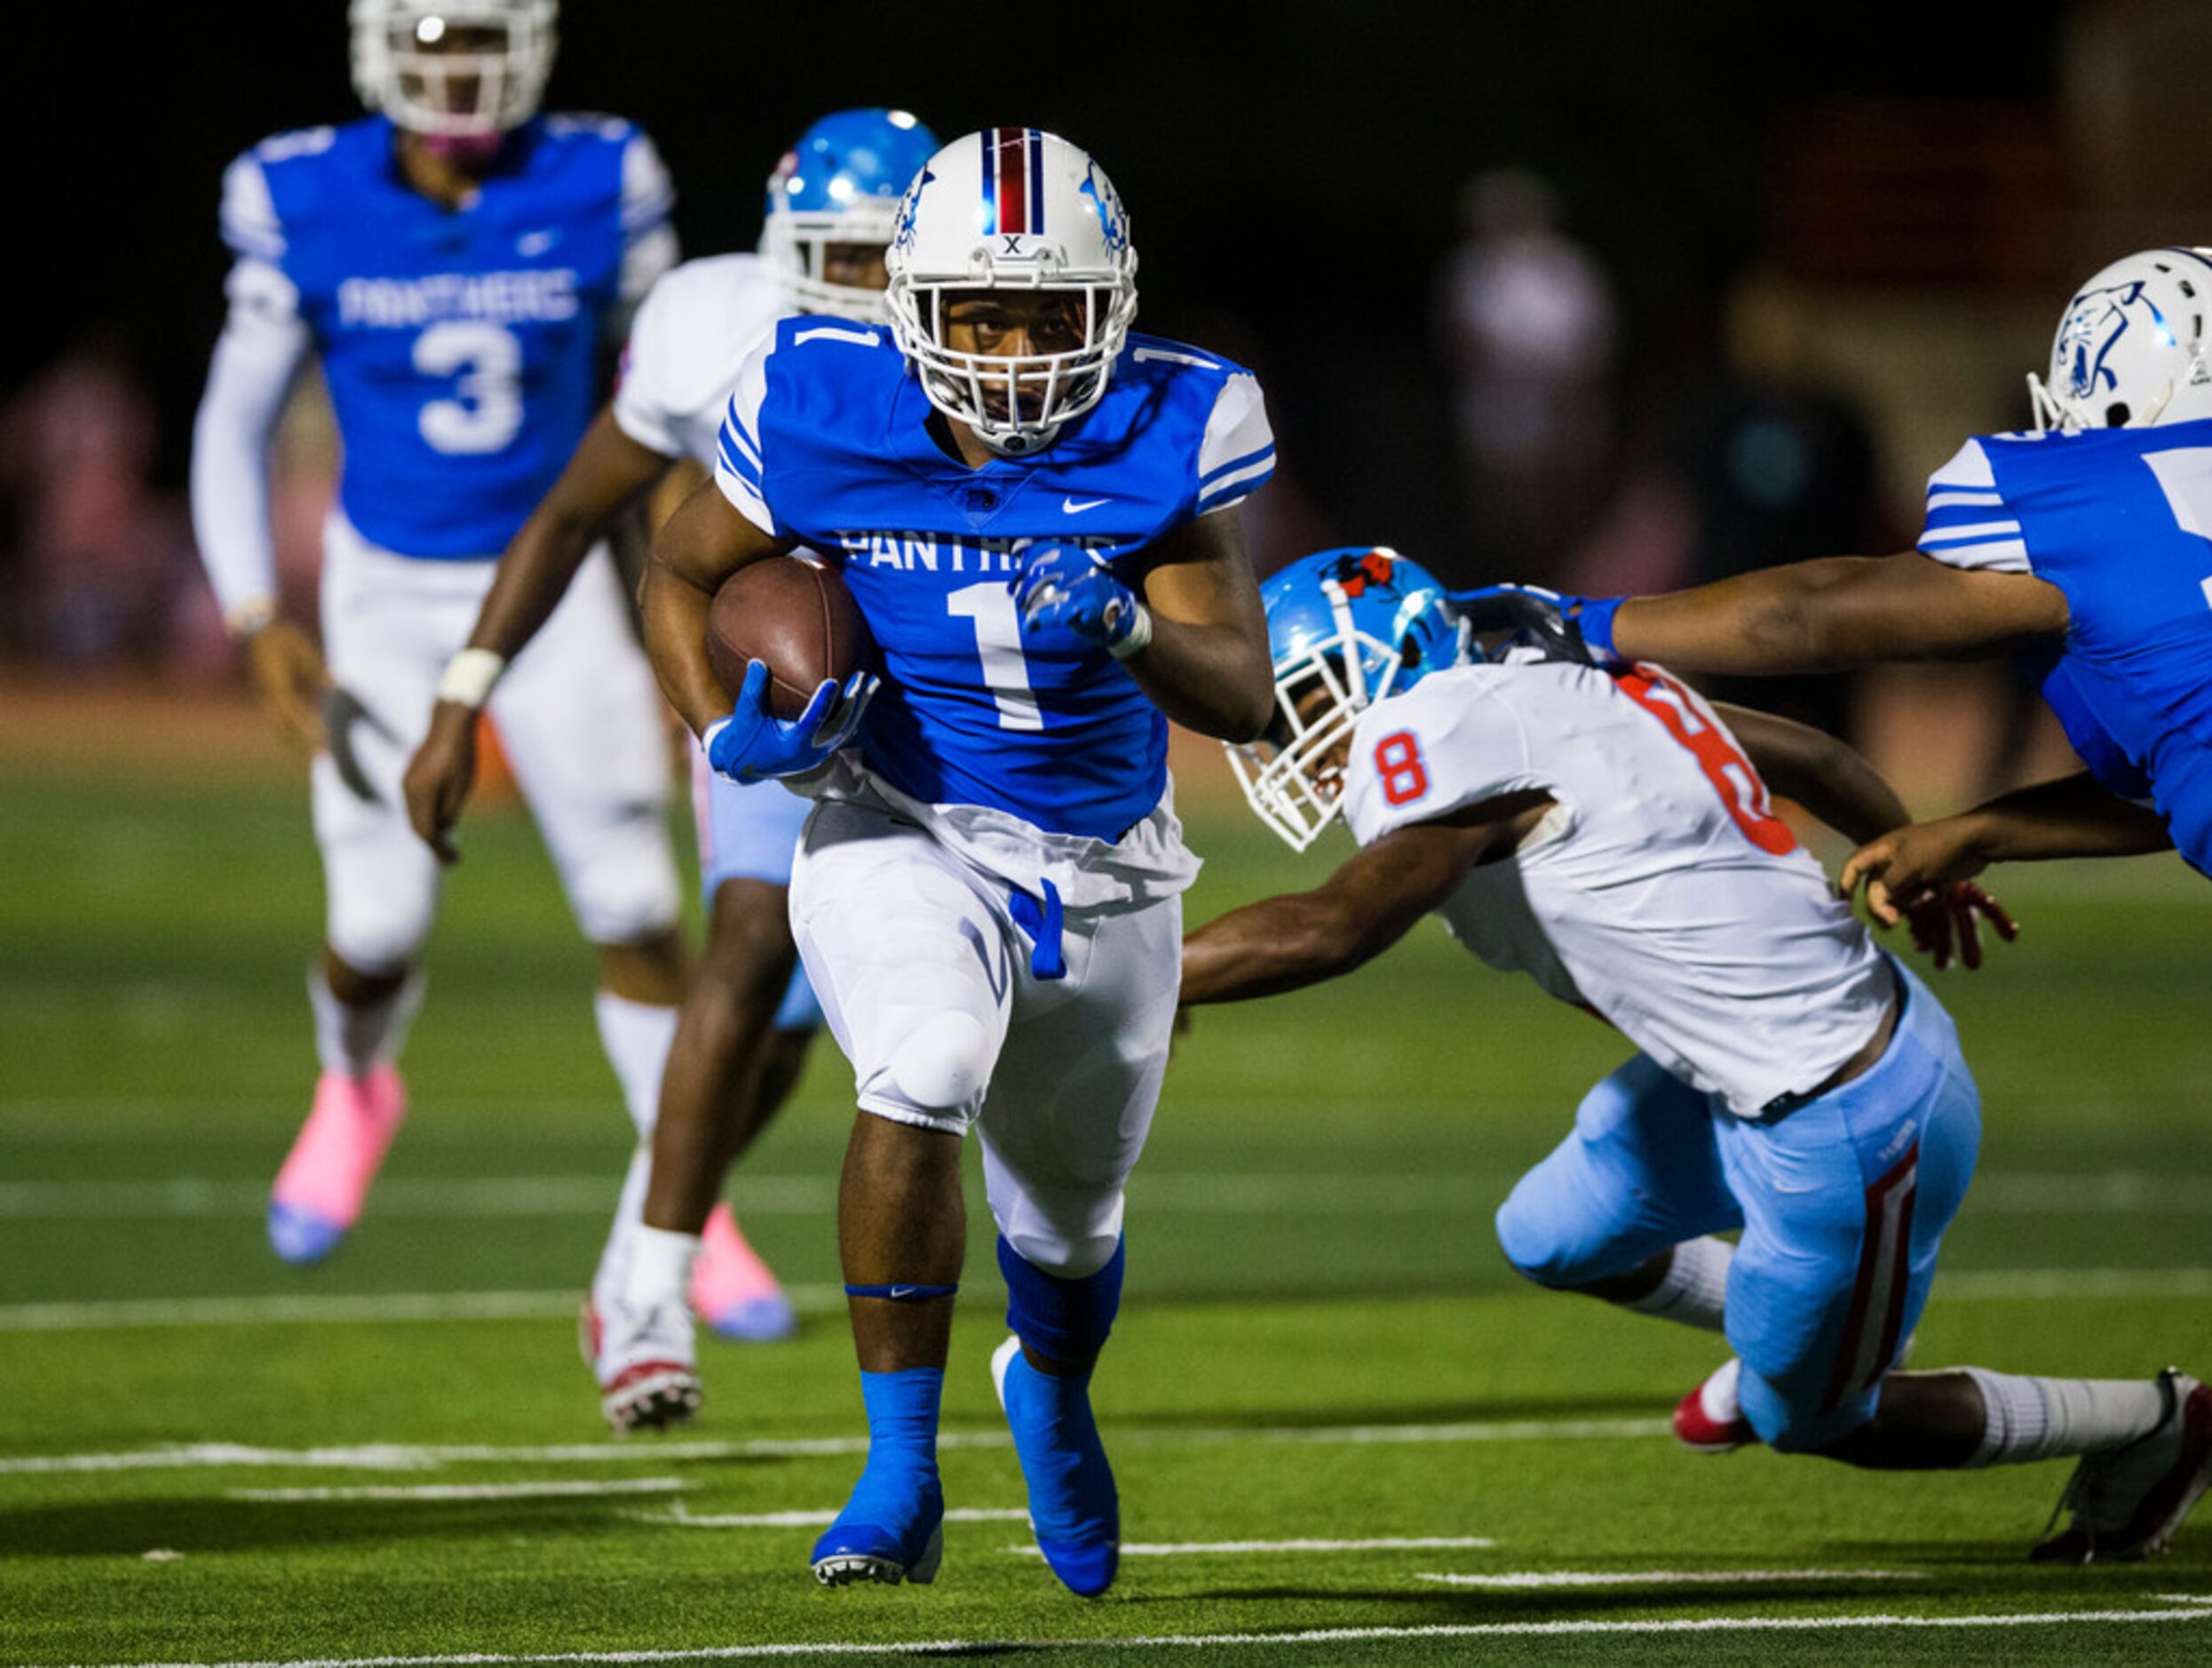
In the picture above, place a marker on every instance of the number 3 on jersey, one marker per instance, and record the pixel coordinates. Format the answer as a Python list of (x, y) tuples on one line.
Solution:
[(485, 362)]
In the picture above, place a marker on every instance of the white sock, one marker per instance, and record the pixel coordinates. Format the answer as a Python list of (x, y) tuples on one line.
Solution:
[(659, 1267), (354, 1040), (636, 1036), (2041, 1418), (621, 1240), (1695, 1291)]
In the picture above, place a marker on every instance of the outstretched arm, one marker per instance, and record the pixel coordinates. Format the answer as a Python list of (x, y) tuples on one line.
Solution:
[(608, 472), (2070, 817), (1830, 778), (1367, 905), (1837, 614)]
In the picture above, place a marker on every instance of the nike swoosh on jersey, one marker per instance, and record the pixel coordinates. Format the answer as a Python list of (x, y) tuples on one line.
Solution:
[(532, 243), (1069, 506)]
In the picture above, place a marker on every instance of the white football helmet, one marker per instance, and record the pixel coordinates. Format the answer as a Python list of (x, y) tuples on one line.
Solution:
[(1015, 209), (2131, 350), (404, 66)]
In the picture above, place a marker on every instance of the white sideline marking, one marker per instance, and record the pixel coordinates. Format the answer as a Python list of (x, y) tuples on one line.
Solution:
[(822, 1519), (1977, 1284), (1386, 1544), (468, 1490), (1388, 1194), (1214, 1642), (1519, 1579), (406, 1457), (281, 1310)]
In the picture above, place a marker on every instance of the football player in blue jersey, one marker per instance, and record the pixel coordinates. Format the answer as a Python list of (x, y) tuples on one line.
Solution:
[(1035, 511), (2086, 543), (749, 1012), (1611, 837), (452, 262)]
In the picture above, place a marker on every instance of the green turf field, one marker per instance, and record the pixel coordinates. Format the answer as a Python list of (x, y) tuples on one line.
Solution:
[(1345, 1434)]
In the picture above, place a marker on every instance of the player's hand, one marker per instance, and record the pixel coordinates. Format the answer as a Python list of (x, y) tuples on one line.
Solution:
[(1577, 628), (288, 672), (1922, 874), (1059, 584), (753, 744), (440, 775)]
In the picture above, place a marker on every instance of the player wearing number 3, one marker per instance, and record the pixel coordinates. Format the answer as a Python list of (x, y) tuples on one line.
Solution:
[(1036, 511), (454, 262), (1610, 835)]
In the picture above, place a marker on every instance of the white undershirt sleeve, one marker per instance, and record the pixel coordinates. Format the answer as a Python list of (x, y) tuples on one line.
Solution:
[(256, 359)]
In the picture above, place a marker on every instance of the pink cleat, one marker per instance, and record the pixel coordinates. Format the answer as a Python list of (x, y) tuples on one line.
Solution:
[(1709, 1420), (317, 1194), (732, 1290)]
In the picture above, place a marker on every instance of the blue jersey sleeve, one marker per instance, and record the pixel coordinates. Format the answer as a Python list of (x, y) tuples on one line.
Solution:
[(1969, 524), (738, 468), (1237, 454)]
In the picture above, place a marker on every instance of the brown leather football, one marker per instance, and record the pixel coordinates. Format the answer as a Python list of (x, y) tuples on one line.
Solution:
[(797, 616)]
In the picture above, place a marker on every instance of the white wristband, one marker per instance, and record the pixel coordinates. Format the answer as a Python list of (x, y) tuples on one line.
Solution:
[(1140, 634), (468, 677)]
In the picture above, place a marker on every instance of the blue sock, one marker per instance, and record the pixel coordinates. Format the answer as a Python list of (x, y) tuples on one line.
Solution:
[(1073, 1505), (899, 1491), (1059, 1318)]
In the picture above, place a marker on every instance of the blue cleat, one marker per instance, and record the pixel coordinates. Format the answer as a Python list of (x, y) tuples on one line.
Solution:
[(301, 1236), (755, 1321), (853, 1549), (1074, 1511)]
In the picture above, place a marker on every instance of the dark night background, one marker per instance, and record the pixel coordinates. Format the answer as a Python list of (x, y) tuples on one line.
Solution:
[(1295, 167)]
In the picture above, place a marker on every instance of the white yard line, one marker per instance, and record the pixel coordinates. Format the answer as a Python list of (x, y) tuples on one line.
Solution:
[(466, 1490), (1383, 1543), (821, 1519), (403, 1457), (1516, 1580), (1386, 1194), (1219, 1641)]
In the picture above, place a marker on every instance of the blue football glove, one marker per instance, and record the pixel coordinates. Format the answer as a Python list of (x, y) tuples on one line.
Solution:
[(1059, 584), (752, 743), (1579, 628)]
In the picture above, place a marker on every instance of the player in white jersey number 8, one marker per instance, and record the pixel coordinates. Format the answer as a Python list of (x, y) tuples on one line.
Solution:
[(1793, 1082)]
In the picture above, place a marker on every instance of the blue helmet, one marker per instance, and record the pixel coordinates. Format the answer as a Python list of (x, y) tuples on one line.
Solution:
[(1346, 629), (840, 184)]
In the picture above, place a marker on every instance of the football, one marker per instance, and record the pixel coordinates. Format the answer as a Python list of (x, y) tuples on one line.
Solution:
[(796, 617)]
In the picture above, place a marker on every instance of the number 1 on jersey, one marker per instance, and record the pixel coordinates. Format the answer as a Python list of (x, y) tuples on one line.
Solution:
[(989, 607)]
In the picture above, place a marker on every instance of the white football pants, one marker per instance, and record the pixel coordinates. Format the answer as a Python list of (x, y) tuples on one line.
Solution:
[(925, 980), (577, 712)]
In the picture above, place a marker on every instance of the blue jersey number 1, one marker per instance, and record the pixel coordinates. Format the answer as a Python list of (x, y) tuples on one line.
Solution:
[(989, 608), (2184, 475)]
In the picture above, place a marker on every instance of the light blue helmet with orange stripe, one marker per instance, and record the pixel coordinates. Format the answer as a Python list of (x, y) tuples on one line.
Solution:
[(1345, 628), (840, 184), (1019, 210)]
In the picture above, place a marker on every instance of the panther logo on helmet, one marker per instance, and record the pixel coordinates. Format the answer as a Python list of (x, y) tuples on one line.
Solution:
[(1112, 222), (2098, 321)]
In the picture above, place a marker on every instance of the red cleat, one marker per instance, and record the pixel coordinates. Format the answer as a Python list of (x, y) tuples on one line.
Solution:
[(1709, 1420)]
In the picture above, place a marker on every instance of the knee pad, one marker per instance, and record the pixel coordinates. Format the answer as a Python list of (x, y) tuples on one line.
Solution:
[(1532, 1244), (378, 928), (943, 1066), (621, 882)]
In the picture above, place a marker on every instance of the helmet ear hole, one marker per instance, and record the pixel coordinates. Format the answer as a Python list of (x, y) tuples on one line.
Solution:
[(2116, 415)]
